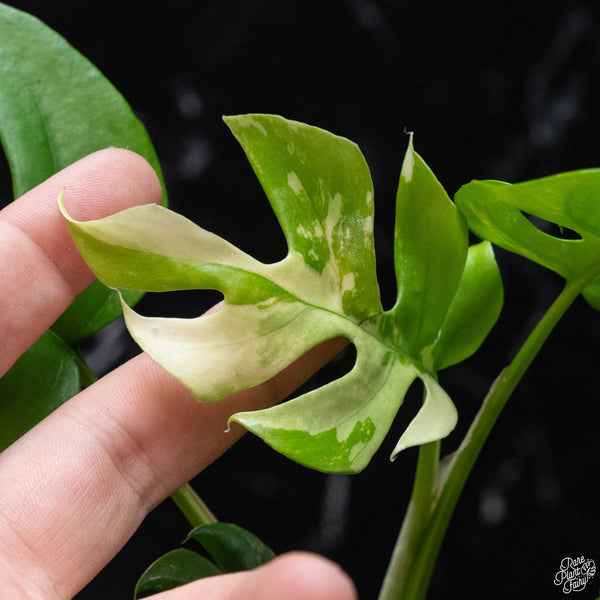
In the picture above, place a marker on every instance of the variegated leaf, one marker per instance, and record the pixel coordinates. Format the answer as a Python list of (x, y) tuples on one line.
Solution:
[(320, 189)]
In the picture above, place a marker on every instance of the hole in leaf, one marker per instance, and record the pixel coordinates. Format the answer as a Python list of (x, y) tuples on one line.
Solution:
[(550, 228), (107, 348), (185, 304), (411, 405)]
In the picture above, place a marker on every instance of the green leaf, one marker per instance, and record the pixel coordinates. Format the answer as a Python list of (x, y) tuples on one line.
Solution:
[(430, 253), (591, 292), (321, 191), (173, 569), (474, 309), (320, 188), (504, 214), (38, 383), (232, 547), (55, 108)]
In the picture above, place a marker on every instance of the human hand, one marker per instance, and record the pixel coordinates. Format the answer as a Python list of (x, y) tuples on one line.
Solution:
[(76, 487)]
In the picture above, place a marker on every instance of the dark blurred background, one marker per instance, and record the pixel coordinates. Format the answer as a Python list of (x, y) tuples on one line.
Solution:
[(504, 90)]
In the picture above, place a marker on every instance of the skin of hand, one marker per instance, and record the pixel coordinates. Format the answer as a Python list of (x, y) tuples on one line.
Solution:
[(76, 487)]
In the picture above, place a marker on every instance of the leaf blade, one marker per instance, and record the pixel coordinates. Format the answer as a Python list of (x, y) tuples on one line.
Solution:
[(430, 250), (43, 129), (434, 421), (497, 211), (173, 569), (474, 310), (327, 219), (235, 348), (338, 427), (39, 382), (232, 547)]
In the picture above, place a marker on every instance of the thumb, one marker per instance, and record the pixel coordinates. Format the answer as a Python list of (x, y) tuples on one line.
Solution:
[(293, 576)]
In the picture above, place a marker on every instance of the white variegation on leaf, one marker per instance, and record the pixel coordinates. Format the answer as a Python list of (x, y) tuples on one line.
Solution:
[(320, 189)]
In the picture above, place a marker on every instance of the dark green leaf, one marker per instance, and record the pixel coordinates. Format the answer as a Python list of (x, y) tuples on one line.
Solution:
[(55, 108), (175, 568), (40, 381), (232, 547), (91, 311)]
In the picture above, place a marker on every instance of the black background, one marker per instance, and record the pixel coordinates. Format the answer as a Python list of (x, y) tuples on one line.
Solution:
[(502, 90)]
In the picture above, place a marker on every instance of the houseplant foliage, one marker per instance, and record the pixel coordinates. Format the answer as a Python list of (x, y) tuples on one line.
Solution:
[(320, 189), (318, 184), (230, 547), (449, 297), (449, 294)]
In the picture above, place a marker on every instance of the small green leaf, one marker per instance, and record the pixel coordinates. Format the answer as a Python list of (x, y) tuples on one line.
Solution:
[(175, 568), (430, 253), (320, 189), (232, 547), (474, 309), (500, 212), (55, 108), (38, 383)]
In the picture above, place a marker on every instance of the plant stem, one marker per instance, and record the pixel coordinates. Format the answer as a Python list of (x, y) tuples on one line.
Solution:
[(455, 469), (192, 506), (415, 523)]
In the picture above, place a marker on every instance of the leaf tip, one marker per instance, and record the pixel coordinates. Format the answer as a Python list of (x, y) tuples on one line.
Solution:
[(408, 164), (62, 207)]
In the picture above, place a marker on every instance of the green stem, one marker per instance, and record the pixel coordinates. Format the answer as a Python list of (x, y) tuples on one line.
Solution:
[(455, 469), (415, 523), (192, 506)]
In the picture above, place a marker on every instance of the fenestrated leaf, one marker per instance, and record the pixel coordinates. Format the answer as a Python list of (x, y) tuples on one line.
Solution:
[(320, 189), (500, 212), (232, 547), (55, 108), (338, 427), (38, 383), (173, 569)]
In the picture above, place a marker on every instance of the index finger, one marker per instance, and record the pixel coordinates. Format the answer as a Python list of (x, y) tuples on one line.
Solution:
[(41, 270)]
